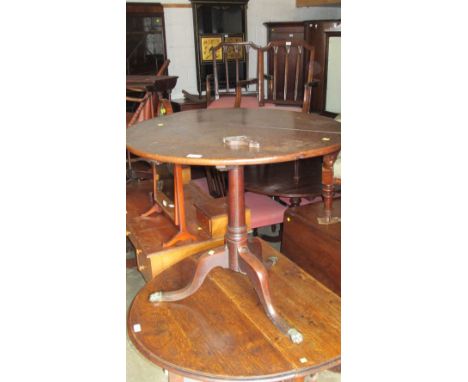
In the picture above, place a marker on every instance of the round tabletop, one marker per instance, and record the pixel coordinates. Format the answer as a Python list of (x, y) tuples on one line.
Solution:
[(221, 332), (197, 137)]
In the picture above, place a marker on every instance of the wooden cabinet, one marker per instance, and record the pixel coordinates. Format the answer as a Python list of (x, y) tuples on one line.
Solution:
[(216, 21), (316, 248), (314, 33), (146, 41)]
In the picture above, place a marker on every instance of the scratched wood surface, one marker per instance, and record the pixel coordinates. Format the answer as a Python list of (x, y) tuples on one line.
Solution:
[(196, 137), (222, 333)]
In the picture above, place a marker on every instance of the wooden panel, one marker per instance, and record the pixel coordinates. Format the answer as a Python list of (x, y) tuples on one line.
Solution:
[(312, 3), (222, 332), (314, 247)]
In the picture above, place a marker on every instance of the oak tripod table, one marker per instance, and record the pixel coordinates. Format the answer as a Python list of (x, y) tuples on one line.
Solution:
[(231, 139)]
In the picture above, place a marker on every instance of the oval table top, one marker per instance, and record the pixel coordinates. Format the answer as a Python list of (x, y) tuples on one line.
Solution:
[(221, 332), (196, 137)]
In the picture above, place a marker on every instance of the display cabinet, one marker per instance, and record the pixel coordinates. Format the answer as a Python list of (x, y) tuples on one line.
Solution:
[(215, 22), (146, 41)]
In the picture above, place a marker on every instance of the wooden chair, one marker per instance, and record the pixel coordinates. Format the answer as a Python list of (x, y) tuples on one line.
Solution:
[(222, 81), (288, 71)]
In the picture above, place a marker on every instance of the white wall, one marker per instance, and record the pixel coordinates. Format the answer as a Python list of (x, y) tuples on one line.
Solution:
[(333, 94), (180, 38)]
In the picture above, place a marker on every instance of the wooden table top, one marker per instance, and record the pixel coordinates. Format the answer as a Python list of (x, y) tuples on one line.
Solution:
[(161, 83), (222, 332), (196, 137)]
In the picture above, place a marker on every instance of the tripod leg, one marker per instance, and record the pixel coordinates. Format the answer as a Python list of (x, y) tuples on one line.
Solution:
[(212, 259), (258, 275)]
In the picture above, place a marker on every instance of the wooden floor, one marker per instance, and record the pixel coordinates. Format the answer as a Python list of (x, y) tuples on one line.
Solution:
[(147, 234)]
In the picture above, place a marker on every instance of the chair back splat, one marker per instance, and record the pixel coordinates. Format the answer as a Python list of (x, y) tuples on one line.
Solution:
[(288, 70), (228, 73)]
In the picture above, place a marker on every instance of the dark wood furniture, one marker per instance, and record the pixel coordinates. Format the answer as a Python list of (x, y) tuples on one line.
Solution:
[(147, 234), (290, 65), (222, 334), (146, 40), (146, 98), (210, 141), (294, 180), (313, 32), (184, 104), (156, 87), (230, 69), (154, 83), (315, 247), (211, 28)]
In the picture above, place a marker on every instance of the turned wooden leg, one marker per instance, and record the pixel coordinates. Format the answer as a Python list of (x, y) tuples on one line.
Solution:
[(328, 187), (213, 258)]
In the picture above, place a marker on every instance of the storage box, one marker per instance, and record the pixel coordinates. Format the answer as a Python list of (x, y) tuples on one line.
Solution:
[(315, 247)]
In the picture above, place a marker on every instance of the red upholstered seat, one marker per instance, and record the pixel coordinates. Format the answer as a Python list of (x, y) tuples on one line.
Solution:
[(264, 210), (248, 102), (227, 102)]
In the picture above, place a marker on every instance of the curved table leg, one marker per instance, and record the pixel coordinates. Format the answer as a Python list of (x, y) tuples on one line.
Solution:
[(155, 208), (212, 259), (258, 275)]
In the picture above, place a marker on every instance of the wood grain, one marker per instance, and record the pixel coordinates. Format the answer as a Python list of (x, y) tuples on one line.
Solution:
[(316, 248), (282, 135), (222, 333)]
